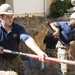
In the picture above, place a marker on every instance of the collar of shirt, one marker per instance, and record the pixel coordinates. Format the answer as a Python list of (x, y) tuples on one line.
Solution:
[(10, 30)]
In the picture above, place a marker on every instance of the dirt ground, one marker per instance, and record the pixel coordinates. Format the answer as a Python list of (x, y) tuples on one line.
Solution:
[(37, 27)]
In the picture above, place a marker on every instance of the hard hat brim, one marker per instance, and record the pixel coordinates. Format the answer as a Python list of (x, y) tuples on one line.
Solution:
[(6, 13)]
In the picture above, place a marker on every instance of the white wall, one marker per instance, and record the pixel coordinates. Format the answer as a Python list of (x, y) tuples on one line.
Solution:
[(28, 6), (40, 7)]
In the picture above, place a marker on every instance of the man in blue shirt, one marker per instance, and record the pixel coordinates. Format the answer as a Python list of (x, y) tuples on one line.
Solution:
[(10, 36), (65, 31)]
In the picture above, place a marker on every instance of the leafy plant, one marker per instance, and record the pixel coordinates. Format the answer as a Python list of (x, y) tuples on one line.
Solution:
[(58, 8)]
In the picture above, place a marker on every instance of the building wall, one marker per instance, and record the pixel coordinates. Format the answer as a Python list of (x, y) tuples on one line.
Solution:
[(28, 6), (39, 7)]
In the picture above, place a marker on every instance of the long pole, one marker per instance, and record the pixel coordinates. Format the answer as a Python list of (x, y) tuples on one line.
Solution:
[(37, 57)]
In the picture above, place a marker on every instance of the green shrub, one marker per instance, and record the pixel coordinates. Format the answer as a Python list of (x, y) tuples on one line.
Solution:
[(58, 8)]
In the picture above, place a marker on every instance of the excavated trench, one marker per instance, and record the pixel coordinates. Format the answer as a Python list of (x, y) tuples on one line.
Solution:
[(37, 27)]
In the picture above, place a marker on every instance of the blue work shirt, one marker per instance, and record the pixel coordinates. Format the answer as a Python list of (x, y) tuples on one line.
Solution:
[(10, 40), (67, 32)]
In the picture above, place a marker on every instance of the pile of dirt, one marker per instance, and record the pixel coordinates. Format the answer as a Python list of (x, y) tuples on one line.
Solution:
[(37, 27)]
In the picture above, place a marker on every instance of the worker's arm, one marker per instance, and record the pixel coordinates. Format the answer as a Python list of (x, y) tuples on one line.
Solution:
[(55, 28), (34, 47)]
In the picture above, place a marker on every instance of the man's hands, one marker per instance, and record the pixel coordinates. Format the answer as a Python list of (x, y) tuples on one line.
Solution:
[(1, 50), (56, 34), (72, 42), (42, 56)]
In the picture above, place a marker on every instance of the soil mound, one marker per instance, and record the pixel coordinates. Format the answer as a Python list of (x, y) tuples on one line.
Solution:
[(37, 27)]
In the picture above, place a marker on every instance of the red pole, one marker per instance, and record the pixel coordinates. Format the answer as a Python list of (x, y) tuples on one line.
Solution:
[(37, 57), (53, 59)]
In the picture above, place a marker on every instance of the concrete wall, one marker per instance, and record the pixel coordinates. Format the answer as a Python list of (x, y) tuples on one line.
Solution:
[(28, 6), (32, 7)]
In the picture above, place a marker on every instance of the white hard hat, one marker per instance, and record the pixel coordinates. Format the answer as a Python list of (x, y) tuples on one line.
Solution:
[(6, 9), (72, 16)]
